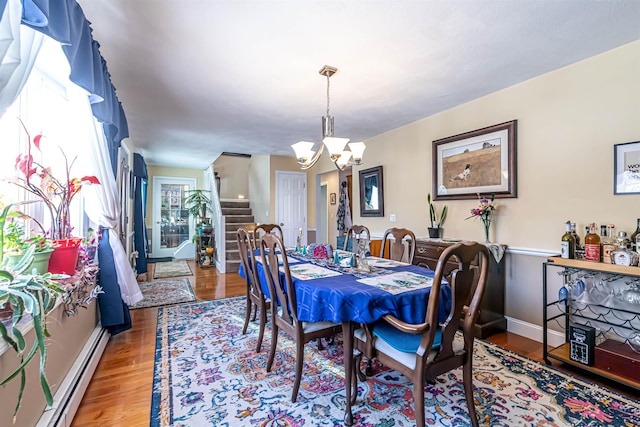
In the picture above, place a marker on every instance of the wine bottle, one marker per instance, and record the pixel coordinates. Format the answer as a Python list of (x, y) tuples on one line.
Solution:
[(568, 245), (634, 238), (575, 235), (592, 244)]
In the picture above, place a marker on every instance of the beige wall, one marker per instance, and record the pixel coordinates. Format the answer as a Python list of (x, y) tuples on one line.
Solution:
[(153, 171), (234, 176), (568, 122), (260, 188)]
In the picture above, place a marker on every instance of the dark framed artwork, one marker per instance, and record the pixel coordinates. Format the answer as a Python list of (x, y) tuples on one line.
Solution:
[(332, 198), (371, 194), (482, 161), (626, 168)]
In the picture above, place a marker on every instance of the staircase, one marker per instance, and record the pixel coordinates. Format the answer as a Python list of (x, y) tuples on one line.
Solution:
[(237, 214)]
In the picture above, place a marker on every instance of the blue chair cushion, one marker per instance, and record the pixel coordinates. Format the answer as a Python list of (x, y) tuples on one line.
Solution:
[(402, 341)]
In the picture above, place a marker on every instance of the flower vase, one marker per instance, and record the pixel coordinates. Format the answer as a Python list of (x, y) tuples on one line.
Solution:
[(487, 225)]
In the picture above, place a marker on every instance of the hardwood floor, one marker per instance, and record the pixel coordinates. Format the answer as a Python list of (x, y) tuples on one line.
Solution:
[(120, 391)]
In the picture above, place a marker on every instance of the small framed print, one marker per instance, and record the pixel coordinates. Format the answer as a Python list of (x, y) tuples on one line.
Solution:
[(626, 168), (332, 198)]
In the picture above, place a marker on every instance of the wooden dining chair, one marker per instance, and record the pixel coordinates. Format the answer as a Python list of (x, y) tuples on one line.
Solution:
[(262, 229), (356, 232), (256, 299), (393, 242), (423, 351), (284, 307)]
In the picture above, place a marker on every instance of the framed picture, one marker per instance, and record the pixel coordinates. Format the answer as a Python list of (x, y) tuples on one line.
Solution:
[(482, 161), (332, 198), (371, 196), (626, 168)]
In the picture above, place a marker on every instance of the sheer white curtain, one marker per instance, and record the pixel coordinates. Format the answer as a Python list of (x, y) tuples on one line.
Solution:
[(102, 206), (19, 47)]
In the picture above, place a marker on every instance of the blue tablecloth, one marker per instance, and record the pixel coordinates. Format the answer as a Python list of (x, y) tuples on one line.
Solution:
[(342, 298)]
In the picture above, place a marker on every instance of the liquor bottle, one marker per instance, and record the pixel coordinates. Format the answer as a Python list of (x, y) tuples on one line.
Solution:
[(568, 248), (592, 244), (608, 244), (635, 237), (622, 255), (575, 235)]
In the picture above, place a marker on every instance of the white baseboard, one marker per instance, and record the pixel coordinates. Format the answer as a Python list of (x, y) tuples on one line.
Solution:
[(69, 395), (534, 332)]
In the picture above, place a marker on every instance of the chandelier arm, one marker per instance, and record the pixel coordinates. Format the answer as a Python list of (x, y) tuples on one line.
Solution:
[(312, 162)]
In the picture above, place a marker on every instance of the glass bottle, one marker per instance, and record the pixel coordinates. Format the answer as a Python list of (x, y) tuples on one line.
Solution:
[(299, 242), (609, 244), (575, 235), (568, 245), (622, 255), (592, 244), (635, 237)]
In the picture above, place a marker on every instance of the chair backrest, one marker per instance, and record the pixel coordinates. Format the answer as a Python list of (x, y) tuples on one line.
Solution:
[(466, 294), (263, 229), (397, 245), (248, 261), (270, 246), (356, 232)]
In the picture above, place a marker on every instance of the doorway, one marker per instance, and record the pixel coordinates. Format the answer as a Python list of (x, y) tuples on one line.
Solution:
[(172, 224), (323, 210), (291, 205)]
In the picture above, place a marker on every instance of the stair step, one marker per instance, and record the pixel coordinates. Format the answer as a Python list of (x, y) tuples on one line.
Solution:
[(236, 211), (233, 227), (233, 255), (233, 219), (231, 245), (232, 266), (234, 204)]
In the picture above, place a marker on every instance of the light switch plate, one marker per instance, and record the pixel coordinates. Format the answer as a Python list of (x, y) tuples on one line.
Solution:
[(392, 217)]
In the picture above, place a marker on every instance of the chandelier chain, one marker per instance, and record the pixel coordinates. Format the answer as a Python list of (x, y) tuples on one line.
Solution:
[(328, 86)]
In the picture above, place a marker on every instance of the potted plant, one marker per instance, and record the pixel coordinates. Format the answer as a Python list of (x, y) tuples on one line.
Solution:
[(57, 195), (198, 206), (437, 220), (25, 294)]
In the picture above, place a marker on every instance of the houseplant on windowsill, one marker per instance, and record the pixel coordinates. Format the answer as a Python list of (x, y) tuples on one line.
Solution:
[(16, 243), (57, 195), (25, 295), (435, 231)]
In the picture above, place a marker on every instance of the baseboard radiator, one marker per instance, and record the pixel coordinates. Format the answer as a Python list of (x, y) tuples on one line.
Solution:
[(69, 395)]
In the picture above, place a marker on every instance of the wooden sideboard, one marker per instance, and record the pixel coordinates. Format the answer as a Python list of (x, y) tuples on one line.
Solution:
[(491, 319)]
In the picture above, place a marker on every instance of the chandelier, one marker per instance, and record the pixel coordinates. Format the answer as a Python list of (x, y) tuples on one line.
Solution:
[(342, 158)]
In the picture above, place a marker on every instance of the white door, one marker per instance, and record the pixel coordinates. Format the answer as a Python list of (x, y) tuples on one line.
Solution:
[(291, 205), (172, 224)]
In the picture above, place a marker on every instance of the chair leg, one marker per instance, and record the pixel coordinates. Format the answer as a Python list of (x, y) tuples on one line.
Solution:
[(418, 400), (320, 346), (263, 322), (274, 343), (467, 380), (299, 364), (247, 315)]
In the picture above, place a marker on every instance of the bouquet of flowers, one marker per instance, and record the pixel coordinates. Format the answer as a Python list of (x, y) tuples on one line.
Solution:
[(484, 211), (56, 193)]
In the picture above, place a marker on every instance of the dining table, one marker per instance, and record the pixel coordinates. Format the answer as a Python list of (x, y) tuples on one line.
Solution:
[(342, 293)]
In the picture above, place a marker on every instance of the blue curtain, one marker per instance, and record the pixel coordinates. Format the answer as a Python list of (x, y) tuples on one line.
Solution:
[(64, 21), (140, 237)]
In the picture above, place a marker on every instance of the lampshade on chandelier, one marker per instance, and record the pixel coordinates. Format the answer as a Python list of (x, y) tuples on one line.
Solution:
[(336, 146)]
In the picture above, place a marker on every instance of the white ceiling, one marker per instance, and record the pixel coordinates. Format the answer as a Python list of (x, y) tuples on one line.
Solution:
[(200, 77)]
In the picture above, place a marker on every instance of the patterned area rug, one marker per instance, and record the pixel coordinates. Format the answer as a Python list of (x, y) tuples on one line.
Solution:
[(165, 292), (208, 374), (171, 269)]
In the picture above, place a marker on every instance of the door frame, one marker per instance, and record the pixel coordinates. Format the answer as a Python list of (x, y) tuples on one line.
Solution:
[(156, 251)]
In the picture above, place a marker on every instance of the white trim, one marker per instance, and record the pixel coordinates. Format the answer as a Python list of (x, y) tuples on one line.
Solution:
[(532, 252), (534, 332), (69, 395)]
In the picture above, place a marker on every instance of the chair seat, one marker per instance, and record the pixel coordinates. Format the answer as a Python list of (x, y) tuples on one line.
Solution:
[(401, 345), (309, 327)]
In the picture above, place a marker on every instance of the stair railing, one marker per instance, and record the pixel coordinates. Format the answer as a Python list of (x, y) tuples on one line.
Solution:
[(218, 221)]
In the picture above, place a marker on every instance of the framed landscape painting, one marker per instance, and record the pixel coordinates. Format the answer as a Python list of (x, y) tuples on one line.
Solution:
[(482, 161)]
